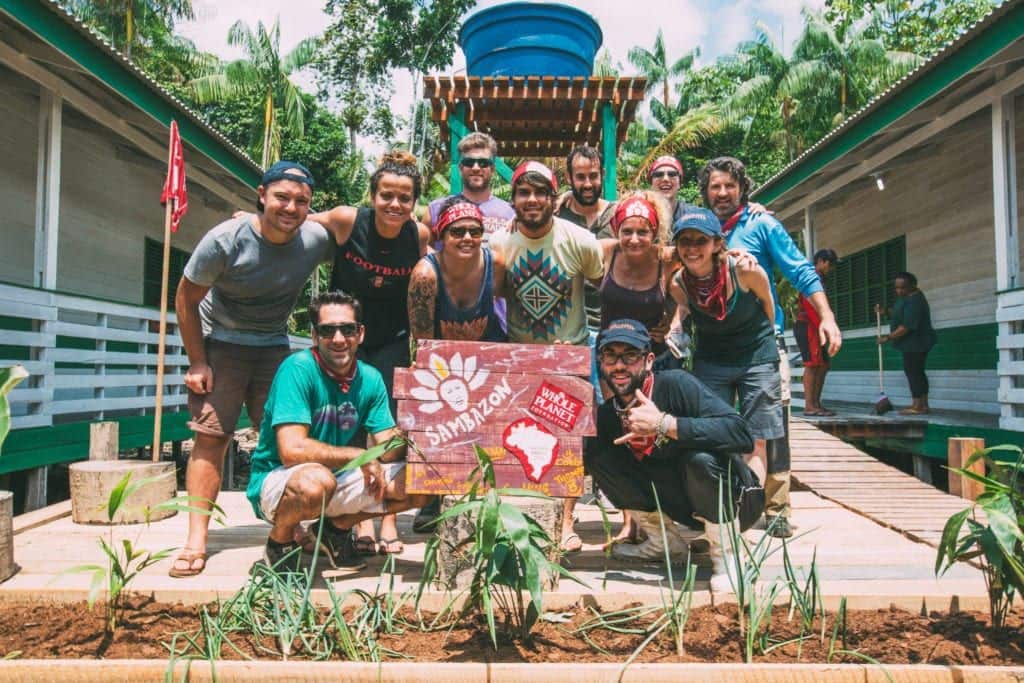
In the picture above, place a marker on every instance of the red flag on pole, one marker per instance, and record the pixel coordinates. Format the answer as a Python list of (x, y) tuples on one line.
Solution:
[(174, 185)]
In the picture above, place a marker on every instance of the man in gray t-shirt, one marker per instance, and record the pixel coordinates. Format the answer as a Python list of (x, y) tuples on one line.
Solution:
[(233, 303)]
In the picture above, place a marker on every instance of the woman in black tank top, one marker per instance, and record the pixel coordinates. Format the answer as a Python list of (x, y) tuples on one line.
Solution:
[(377, 250)]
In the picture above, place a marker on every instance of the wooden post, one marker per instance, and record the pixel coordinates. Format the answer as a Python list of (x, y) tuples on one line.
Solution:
[(456, 131), (922, 468), (162, 343), (7, 565), (609, 148), (103, 440), (958, 451)]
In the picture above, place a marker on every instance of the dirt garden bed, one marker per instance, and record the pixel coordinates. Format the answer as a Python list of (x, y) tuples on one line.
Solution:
[(890, 636)]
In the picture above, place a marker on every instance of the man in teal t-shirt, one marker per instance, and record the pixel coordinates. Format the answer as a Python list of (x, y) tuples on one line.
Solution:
[(319, 399)]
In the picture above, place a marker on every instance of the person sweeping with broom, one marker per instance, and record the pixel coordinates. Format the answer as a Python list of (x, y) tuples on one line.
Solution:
[(911, 332)]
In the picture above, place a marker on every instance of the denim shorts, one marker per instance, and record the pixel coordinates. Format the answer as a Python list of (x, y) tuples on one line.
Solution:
[(758, 388)]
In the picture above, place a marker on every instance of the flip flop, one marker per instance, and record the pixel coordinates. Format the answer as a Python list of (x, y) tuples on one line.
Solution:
[(825, 412), (366, 545), (384, 546), (189, 557), (570, 546)]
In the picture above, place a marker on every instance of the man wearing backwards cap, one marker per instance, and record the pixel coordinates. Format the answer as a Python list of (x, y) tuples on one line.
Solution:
[(547, 261), (233, 302), (670, 431), (452, 292)]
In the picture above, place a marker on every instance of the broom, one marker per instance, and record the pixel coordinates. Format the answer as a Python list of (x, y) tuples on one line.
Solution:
[(882, 404)]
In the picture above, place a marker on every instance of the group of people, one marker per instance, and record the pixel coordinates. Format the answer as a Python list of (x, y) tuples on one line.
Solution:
[(623, 277)]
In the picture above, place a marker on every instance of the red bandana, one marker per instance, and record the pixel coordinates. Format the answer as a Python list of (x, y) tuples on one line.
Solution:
[(731, 223), (708, 293), (642, 446), (634, 206), (457, 212), (344, 381)]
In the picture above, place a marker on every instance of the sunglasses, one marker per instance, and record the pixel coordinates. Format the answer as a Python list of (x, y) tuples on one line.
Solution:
[(328, 330), (609, 357), (665, 174), (470, 162), (460, 232), (692, 241)]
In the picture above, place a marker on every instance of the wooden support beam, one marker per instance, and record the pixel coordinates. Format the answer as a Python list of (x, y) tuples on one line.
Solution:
[(457, 131), (609, 151), (958, 451), (48, 188)]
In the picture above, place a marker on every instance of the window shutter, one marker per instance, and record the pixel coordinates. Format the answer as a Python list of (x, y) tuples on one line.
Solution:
[(153, 269), (864, 279)]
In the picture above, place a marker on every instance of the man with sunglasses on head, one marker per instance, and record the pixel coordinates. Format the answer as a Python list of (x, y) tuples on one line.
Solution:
[(668, 433), (233, 302), (319, 399)]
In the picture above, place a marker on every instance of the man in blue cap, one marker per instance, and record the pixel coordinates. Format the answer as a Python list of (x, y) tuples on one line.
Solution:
[(725, 187), (670, 432), (233, 302)]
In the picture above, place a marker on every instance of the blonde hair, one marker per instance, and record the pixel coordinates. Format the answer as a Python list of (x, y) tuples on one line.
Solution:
[(663, 229)]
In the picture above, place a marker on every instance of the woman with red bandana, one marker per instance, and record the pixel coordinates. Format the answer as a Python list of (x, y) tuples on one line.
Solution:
[(734, 316), (452, 291)]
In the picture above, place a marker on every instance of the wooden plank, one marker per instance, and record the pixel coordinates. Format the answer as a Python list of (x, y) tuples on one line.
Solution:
[(450, 479), (570, 450), (555, 359)]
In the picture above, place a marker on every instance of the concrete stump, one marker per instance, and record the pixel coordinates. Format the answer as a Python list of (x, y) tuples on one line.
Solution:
[(453, 564), (93, 480), (7, 566)]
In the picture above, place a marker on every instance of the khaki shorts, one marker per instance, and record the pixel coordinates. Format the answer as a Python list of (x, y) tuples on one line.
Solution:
[(349, 498), (241, 374)]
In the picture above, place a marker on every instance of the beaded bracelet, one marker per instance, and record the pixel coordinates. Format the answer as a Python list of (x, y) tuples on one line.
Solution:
[(661, 433)]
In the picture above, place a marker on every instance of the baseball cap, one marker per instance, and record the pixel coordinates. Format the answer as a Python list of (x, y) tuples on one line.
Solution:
[(287, 170), (698, 219), (535, 167), (626, 331)]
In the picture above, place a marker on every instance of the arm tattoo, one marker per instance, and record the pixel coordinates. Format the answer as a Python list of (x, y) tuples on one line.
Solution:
[(422, 300)]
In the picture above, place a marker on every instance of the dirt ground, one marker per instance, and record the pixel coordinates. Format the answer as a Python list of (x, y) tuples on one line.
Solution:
[(890, 636)]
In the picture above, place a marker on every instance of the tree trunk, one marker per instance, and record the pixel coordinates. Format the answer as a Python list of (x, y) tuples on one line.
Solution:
[(664, 92), (268, 120)]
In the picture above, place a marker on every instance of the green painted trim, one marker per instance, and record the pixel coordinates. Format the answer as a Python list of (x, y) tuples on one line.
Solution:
[(50, 24), (456, 131), (969, 347), (26, 449), (935, 444), (609, 151), (1001, 33)]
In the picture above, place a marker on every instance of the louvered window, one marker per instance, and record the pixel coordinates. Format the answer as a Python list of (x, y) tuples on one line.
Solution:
[(864, 279), (154, 269)]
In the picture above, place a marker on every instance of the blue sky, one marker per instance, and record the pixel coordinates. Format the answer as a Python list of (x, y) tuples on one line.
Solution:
[(716, 25)]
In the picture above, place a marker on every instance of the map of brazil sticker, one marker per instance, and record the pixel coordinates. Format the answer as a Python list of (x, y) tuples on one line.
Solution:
[(533, 444), (557, 406)]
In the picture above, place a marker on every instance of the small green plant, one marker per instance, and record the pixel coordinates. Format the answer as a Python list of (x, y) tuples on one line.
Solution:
[(9, 378), (998, 544), (125, 560), (508, 551)]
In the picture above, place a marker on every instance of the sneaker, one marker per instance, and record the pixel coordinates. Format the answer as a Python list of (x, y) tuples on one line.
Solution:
[(777, 526), (338, 547), (426, 517), (282, 556)]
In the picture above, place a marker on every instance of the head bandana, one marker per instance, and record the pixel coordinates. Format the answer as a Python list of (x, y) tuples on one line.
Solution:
[(536, 167), (634, 206), (665, 161), (457, 212)]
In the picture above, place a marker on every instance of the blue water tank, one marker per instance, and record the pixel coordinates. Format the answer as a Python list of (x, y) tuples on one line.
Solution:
[(530, 39)]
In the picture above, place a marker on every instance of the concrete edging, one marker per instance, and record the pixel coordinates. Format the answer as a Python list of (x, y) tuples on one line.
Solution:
[(132, 671)]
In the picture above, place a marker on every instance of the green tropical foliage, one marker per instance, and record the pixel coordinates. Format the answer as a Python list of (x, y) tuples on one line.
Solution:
[(9, 378), (133, 26), (263, 73), (654, 65)]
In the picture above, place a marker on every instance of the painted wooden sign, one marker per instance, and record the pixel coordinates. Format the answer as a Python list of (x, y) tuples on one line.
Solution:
[(528, 406)]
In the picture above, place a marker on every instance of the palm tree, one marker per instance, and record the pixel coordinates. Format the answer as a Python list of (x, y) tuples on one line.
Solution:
[(687, 131), (127, 23), (655, 67), (263, 73)]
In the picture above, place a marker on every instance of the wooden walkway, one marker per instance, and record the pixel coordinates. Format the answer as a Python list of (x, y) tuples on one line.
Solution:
[(837, 471)]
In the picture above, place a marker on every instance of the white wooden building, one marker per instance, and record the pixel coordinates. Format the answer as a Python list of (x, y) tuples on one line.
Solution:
[(85, 137), (945, 142)]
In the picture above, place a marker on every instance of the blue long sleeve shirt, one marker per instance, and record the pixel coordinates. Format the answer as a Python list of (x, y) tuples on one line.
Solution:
[(766, 239)]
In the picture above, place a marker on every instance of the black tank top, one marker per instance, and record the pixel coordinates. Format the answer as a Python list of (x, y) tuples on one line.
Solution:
[(646, 305), (376, 271)]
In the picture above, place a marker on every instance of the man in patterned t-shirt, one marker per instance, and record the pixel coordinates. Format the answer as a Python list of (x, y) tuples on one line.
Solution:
[(547, 262)]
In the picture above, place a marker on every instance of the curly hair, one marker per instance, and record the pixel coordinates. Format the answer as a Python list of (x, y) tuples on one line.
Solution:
[(663, 230), (401, 163), (733, 167)]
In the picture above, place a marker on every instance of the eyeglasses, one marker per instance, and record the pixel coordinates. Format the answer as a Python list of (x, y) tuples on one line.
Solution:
[(328, 330), (665, 174), (692, 241), (470, 162), (460, 232), (609, 357)]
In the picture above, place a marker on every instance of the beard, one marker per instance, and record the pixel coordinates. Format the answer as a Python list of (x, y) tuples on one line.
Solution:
[(636, 381), (545, 218), (584, 200)]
